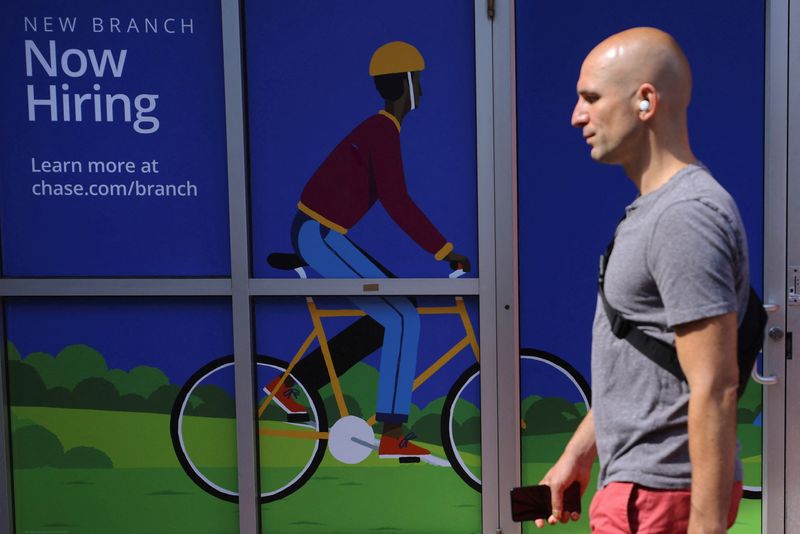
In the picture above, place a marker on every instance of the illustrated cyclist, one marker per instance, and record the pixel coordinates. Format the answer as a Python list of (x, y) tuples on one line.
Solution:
[(367, 167)]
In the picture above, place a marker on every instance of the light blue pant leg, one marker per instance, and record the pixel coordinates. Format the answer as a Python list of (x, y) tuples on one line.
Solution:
[(397, 377), (334, 256)]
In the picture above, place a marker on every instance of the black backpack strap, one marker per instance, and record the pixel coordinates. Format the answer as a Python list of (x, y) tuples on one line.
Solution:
[(661, 353), (750, 334)]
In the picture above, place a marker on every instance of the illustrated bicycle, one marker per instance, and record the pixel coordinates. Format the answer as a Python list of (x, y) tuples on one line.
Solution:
[(292, 449)]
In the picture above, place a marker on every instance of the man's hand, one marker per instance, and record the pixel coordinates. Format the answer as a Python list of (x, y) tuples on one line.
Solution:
[(457, 261), (575, 465)]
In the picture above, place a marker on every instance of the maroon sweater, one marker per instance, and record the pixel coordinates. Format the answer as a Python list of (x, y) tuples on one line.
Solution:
[(366, 167)]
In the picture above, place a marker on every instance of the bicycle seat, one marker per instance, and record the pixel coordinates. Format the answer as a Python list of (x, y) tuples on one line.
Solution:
[(285, 261)]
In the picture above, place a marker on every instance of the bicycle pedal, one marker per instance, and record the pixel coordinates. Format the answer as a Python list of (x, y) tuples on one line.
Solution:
[(297, 418), (409, 459)]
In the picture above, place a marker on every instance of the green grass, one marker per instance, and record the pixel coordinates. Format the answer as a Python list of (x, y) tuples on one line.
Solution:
[(403, 499), (147, 492), (129, 439), (119, 501)]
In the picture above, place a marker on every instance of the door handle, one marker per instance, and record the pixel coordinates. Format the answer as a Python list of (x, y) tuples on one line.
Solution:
[(768, 380)]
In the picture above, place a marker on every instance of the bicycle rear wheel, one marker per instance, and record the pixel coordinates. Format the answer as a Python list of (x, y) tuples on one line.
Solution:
[(289, 453), (461, 412)]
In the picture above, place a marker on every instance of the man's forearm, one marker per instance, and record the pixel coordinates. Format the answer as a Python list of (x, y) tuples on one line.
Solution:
[(707, 353), (712, 447), (582, 446)]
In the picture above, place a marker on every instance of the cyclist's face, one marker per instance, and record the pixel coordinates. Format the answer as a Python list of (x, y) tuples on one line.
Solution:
[(415, 77)]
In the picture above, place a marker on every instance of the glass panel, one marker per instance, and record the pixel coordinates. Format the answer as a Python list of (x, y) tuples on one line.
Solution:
[(569, 205), (104, 415), (320, 442), (315, 133), (112, 151)]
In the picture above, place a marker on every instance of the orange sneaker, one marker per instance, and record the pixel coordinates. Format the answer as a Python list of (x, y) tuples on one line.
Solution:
[(285, 398), (399, 446)]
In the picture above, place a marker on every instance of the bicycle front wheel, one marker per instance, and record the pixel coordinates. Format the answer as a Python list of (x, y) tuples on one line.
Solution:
[(554, 398), (461, 412)]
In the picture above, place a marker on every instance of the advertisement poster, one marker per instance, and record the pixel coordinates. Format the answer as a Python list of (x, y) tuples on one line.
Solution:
[(112, 152), (310, 87), (93, 384), (325, 469), (362, 131)]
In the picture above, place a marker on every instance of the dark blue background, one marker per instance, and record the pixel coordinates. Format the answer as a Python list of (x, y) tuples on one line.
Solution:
[(309, 86), (117, 236), (568, 204)]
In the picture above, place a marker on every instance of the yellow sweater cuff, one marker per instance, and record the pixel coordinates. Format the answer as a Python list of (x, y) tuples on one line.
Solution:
[(444, 251)]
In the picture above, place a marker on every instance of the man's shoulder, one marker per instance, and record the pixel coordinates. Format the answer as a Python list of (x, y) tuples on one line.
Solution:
[(697, 192), (698, 221), (697, 183)]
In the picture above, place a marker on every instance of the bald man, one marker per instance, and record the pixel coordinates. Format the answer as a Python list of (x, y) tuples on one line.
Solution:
[(667, 447)]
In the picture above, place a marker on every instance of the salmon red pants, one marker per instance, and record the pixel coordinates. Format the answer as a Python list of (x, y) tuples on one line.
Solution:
[(628, 508)]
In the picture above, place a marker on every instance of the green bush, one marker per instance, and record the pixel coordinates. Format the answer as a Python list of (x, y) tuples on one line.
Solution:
[(76, 363), (35, 446), (11, 352), (469, 431), (26, 387), (19, 422), (551, 415), (95, 393), (59, 397), (142, 380), (745, 416), (332, 410), (215, 402), (45, 366), (162, 399), (751, 403), (132, 403), (85, 458), (361, 383), (428, 428)]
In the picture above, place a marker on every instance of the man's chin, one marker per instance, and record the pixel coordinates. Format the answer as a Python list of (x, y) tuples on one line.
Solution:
[(602, 157)]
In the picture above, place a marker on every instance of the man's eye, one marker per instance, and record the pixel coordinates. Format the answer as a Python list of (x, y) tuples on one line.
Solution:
[(591, 98)]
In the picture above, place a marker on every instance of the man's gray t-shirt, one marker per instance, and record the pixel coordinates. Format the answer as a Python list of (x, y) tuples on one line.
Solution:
[(679, 255)]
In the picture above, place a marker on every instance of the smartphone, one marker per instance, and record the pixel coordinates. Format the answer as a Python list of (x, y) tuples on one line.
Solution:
[(534, 502)]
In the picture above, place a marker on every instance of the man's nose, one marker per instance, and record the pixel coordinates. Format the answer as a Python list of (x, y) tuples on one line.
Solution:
[(579, 116)]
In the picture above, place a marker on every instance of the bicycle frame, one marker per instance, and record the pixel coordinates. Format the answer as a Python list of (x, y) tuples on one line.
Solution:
[(318, 333)]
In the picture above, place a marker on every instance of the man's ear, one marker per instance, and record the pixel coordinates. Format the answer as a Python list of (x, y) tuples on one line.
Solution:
[(647, 101)]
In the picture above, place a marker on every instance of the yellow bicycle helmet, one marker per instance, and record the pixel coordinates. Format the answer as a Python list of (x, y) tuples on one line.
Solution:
[(395, 57)]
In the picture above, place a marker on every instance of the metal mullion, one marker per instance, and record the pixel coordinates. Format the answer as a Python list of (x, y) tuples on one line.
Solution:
[(505, 228), (775, 176), (104, 287), (792, 205), (6, 484), (484, 109), (363, 286), (246, 444)]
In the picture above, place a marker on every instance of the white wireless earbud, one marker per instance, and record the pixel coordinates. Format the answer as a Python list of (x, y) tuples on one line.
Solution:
[(644, 105)]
